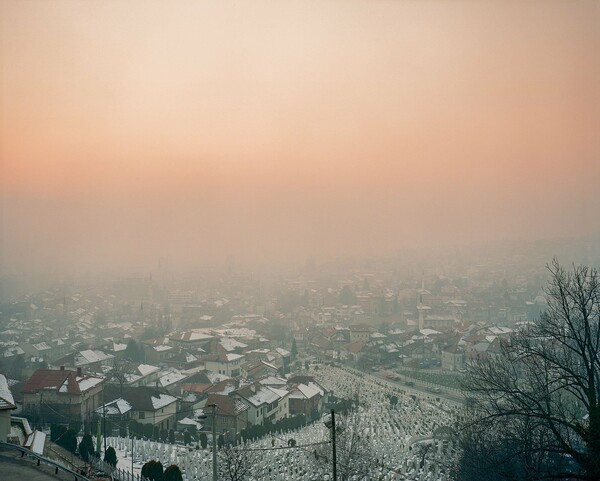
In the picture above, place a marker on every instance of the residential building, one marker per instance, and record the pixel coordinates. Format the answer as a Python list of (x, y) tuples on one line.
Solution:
[(231, 415), (264, 402), (223, 362), (7, 404), (60, 395), (149, 405)]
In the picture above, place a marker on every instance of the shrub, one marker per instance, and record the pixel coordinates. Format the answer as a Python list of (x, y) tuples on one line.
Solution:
[(75, 426), (86, 447), (110, 457), (172, 473), (68, 441), (153, 471)]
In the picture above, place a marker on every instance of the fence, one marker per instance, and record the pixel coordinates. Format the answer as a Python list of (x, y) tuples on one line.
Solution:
[(41, 459), (116, 473)]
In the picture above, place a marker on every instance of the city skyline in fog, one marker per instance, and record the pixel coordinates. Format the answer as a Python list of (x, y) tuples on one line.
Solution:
[(197, 131)]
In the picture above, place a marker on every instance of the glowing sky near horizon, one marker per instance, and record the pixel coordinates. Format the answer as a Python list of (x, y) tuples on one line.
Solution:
[(275, 130)]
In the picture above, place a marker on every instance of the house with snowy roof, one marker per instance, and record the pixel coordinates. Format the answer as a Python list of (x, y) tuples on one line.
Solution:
[(172, 380), (255, 370), (115, 410), (282, 359), (88, 359), (306, 398), (191, 340), (7, 404), (61, 395), (231, 415), (264, 402), (142, 375), (224, 362), (158, 352), (149, 405), (453, 357)]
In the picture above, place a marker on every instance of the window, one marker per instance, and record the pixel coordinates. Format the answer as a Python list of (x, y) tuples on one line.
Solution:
[(142, 415)]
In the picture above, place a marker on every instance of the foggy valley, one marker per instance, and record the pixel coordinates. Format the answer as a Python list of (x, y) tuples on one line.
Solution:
[(350, 241)]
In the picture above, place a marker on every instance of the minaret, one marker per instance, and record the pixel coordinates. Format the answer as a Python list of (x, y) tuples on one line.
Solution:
[(421, 312)]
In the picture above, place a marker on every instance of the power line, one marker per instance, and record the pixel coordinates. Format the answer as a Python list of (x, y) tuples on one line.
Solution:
[(281, 447)]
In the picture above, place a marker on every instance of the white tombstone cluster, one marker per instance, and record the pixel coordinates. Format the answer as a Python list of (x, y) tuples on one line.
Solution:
[(397, 442)]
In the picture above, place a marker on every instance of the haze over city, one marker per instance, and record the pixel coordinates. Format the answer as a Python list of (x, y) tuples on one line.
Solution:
[(270, 132), (321, 240)]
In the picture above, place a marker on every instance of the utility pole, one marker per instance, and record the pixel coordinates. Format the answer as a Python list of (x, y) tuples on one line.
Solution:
[(331, 425), (333, 445), (104, 418), (214, 435), (131, 434)]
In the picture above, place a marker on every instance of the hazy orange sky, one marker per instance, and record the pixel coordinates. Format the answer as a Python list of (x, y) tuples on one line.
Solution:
[(279, 130)]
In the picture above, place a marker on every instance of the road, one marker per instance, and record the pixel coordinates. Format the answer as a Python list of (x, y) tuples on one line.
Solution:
[(14, 468)]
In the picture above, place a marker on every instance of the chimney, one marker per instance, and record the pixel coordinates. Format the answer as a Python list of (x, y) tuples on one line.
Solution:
[(78, 372), (62, 368)]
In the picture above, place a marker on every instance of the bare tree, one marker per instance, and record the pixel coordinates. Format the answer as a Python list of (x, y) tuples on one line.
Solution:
[(120, 372), (539, 399), (235, 463), (353, 448)]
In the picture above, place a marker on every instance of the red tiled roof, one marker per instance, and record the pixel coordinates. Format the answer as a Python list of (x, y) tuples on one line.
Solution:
[(226, 406), (51, 380), (197, 388)]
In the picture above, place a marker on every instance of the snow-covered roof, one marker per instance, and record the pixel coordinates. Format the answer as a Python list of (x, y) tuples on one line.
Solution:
[(264, 395), (258, 351), (171, 377), (233, 357), (162, 400), (6, 398), (273, 381), (88, 382), (499, 330), (190, 336), (117, 407), (146, 369), (230, 344), (215, 377), (237, 332), (13, 351), (306, 391), (190, 422), (84, 383), (88, 357), (429, 332)]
